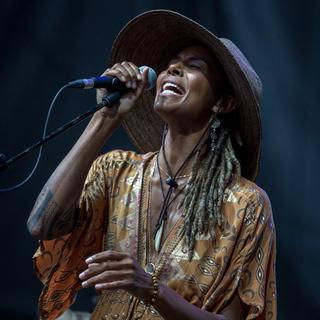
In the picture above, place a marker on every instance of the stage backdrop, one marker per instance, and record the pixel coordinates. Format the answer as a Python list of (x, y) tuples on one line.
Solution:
[(47, 43)]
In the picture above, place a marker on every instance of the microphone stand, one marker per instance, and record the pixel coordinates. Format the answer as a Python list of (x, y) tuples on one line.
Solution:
[(107, 101)]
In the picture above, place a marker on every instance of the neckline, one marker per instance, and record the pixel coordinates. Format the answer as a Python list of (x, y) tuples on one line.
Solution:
[(174, 235)]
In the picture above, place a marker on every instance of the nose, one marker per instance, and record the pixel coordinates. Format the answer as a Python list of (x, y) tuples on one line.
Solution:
[(175, 69)]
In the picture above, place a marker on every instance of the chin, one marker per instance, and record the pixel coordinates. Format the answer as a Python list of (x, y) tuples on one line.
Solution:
[(164, 105), (164, 111)]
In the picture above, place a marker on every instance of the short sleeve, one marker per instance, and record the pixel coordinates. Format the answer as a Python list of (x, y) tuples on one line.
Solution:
[(245, 253), (257, 284), (58, 262)]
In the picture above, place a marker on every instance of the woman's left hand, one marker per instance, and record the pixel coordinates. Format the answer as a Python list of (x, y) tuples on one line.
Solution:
[(110, 270)]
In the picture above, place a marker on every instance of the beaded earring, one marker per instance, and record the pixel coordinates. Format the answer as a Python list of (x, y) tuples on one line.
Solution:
[(215, 124)]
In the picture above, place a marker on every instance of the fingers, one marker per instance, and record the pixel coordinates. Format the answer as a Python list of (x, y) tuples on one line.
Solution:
[(120, 284), (107, 277), (97, 268), (110, 270), (105, 256), (127, 72), (107, 266), (143, 84)]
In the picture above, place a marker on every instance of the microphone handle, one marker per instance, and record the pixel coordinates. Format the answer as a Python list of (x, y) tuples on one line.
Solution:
[(111, 98), (111, 83)]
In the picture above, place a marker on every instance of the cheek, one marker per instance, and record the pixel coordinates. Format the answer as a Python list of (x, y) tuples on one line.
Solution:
[(210, 97), (203, 92)]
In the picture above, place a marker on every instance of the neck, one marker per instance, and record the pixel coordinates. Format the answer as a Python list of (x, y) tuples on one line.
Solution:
[(178, 146)]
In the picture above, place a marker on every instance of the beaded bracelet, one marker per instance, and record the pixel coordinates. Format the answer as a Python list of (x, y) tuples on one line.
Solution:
[(155, 294)]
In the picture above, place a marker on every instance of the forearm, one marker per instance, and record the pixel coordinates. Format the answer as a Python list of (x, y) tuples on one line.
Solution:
[(53, 214), (172, 306)]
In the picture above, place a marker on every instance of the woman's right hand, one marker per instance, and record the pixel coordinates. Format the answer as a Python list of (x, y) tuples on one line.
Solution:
[(128, 73)]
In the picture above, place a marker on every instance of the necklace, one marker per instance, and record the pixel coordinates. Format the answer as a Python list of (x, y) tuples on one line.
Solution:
[(172, 183), (156, 263), (164, 209), (169, 177)]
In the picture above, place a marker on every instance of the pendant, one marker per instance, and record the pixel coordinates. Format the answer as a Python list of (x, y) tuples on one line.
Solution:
[(157, 239), (150, 268), (171, 182)]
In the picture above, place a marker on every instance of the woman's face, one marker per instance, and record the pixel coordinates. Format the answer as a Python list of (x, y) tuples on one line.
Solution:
[(188, 89)]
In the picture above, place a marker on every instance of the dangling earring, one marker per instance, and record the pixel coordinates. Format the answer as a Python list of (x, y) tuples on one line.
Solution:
[(215, 124)]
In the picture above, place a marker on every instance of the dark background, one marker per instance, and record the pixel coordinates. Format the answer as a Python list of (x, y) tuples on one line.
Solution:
[(45, 44)]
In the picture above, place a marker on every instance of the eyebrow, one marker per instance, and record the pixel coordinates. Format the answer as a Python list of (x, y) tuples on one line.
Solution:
[(190, 58)]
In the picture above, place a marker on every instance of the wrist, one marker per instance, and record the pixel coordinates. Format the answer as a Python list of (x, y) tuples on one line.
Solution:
[(103, 123), (103, 117)]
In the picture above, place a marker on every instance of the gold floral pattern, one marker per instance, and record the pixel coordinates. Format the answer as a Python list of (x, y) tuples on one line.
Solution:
[(113, 215)]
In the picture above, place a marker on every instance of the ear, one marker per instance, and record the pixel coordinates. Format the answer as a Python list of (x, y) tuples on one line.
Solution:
[(225, 104)]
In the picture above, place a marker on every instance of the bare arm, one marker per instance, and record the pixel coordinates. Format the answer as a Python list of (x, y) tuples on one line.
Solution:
[(54, 213)]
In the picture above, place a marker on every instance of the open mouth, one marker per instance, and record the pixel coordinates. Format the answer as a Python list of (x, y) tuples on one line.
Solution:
[(170, 88)]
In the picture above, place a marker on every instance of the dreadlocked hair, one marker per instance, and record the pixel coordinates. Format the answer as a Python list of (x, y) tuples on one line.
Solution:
[(211, 175)]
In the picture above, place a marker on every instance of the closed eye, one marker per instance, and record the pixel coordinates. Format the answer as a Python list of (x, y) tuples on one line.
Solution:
[(198, 66), (195, 66), (192, 63)]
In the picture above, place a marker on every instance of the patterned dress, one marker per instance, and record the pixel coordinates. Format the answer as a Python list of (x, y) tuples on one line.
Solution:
[(113, 215)]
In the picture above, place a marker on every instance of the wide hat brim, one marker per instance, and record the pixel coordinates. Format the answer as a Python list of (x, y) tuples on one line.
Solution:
[(151, 39)]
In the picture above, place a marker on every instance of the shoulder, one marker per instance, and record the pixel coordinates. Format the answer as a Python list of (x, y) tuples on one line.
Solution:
[(120, 158), (113, 166), (115, 162), (249, 203), (246, 191)]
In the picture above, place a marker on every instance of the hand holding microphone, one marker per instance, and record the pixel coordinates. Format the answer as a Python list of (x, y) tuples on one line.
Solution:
[(125, 79), (120, 86)]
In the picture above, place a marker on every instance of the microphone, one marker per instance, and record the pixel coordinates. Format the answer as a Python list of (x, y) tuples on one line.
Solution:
[(111, 83)]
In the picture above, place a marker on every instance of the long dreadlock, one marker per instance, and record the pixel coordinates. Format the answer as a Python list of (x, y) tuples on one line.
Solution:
[(211, 175)]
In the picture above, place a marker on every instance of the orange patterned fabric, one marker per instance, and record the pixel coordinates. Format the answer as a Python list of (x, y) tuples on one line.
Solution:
[(113, 215)]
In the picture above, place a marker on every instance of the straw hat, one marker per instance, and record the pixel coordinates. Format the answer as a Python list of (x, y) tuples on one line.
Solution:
[(151, 39)]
